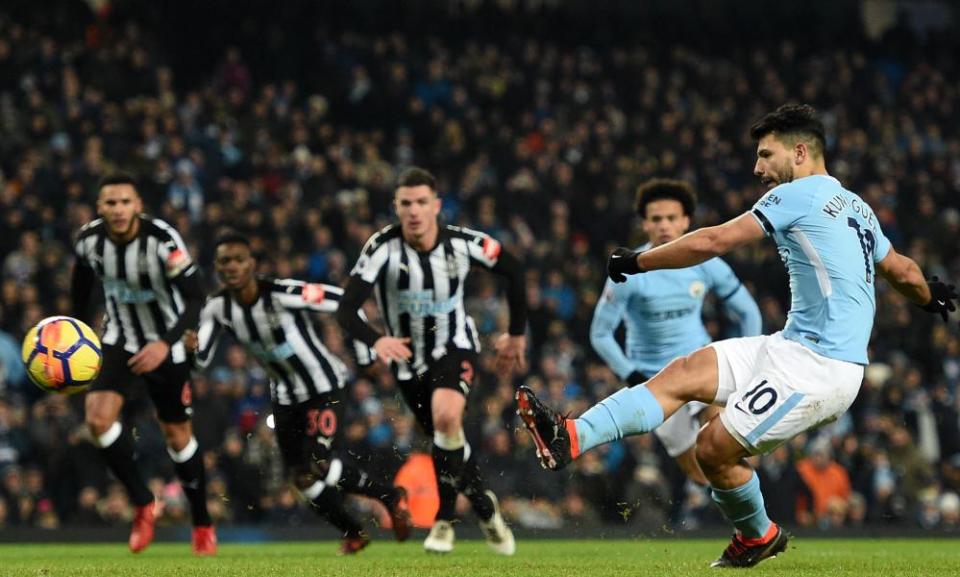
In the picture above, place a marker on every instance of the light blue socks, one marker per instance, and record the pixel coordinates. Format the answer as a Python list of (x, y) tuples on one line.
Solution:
[(743, 506), (629, 411)]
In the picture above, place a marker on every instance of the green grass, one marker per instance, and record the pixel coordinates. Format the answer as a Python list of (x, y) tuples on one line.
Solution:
[(884, 558)]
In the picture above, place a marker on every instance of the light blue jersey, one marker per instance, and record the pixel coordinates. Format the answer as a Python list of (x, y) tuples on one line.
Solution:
[(662, 311), (830, 240)]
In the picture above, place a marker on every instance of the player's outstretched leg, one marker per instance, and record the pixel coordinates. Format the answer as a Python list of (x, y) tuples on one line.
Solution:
[(630, 411), (735, 488), (353, 479), (559, 440)]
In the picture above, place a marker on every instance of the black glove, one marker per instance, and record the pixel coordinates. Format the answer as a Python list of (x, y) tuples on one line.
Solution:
[(622, 262), (942, 299), (636, 378)]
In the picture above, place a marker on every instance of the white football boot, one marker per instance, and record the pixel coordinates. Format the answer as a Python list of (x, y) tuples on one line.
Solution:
[(440, 539), (499, 536)]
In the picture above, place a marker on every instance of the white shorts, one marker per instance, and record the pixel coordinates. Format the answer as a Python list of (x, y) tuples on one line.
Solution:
[(679, 432), (774, 389)]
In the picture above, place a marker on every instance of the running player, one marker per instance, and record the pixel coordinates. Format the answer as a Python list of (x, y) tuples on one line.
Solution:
[(152, 294), (271, 318), (418, 269)]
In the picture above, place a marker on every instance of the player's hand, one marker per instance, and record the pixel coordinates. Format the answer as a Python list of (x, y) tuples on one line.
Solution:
[(511, 353), (393, 349), (149, 357), (942, 297), (622, 262), (191, 341)]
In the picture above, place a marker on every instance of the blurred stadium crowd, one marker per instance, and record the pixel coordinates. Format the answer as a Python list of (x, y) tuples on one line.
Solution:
[(536, 138)]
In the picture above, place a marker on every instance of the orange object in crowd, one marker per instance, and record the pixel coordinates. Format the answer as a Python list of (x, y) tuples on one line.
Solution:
[(418, 478)]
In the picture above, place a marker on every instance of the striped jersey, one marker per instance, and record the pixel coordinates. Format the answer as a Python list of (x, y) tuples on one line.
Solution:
[(141, 298), (420, 294), (278, 330)]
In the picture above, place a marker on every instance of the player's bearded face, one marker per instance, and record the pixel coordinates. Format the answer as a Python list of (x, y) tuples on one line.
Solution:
[(417, 208), (774, 162), (234, 265), (119, 205)]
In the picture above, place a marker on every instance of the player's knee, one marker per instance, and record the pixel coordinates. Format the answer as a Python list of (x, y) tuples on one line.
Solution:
[(98, 422), (177, 435), (447, 422), (709, 457), (678, 372)]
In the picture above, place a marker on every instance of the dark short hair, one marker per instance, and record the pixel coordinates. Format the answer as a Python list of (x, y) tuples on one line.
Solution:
[(116, 178), (231, 237), (666, 189), (795, 122), (416, 176)]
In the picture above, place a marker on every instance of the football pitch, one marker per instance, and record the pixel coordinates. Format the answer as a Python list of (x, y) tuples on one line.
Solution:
[(534, 558)]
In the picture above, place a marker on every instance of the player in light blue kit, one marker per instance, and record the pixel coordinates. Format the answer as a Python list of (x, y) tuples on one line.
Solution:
[(774, 387), (662, 311)]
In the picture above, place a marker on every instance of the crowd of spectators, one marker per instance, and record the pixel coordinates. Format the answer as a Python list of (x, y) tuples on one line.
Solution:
[(537, 140)]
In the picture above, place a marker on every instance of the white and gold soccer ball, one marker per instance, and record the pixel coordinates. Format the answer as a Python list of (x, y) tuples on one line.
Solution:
[(62, 355)]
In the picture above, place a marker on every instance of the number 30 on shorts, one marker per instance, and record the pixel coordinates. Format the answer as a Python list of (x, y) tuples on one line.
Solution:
[(759, 399), (323, 422)]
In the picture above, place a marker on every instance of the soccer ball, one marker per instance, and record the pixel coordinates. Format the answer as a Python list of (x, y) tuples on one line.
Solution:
[(62, 355)]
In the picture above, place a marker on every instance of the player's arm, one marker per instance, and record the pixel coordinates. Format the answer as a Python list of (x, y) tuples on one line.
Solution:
[(191, 289), (204, 341), (83, 282), (185, 276), (369, 267), (904, 275), (690, 249), (736, 300), (351, 319), (488, 253), (606, 318)]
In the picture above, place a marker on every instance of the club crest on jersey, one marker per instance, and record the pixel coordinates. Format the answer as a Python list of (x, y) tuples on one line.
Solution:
[(697, 289), (177, 261), (609, 295), (313, 293), (491, 248)]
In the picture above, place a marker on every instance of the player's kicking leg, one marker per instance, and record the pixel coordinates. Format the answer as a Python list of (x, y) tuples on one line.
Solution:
[(643, 408), (629, 411)]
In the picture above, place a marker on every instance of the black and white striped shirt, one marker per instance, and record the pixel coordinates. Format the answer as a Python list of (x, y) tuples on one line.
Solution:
[(278, 331), (420, 294), (143, 283)]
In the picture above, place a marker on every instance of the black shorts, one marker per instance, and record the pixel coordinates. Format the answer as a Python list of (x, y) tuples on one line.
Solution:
[(455, 371), (307, 432), (168, 386)]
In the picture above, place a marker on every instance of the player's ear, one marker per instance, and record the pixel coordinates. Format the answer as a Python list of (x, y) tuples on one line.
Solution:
[(800, 152)]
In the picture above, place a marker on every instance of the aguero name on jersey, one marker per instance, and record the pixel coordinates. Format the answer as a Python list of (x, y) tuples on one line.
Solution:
[(830, 241), (662, 310), (277, 329), (150, 284)]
